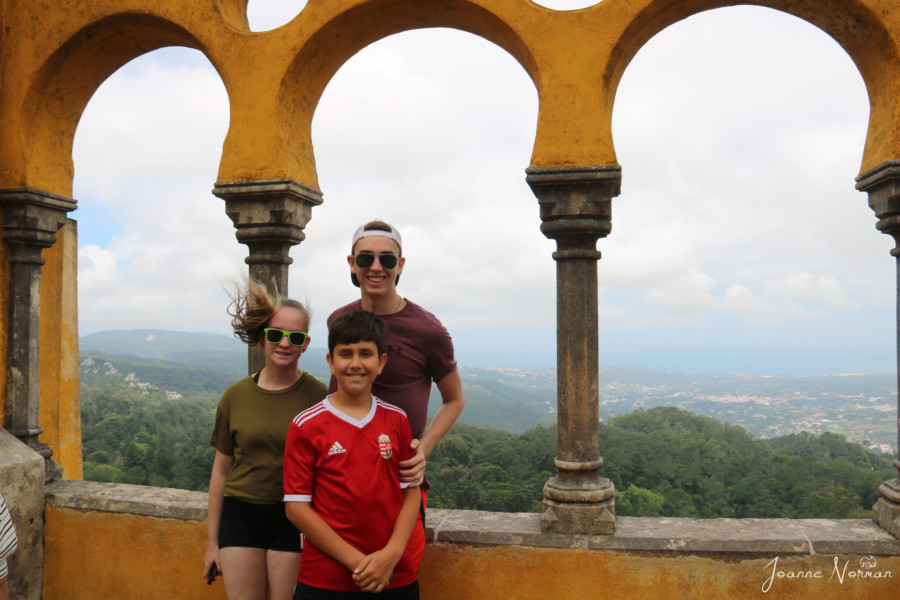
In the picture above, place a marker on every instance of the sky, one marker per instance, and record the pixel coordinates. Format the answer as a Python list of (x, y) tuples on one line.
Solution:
[(739, 243)]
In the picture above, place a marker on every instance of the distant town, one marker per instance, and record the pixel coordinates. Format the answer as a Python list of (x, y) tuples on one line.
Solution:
[(862, 407), (867, 420)]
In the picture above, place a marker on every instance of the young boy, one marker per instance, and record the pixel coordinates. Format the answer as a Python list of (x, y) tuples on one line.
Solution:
[(341, 478)]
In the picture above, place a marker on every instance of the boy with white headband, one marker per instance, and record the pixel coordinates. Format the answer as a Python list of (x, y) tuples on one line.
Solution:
[(419, 347)]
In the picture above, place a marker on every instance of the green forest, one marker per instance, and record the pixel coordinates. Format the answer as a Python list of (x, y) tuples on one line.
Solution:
[(663, 461)]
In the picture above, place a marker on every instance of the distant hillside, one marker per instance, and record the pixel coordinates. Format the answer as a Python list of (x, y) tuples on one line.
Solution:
[(861, 407), (199, 363), (179, 348), (510, 399), (179, 379), (211, 350)]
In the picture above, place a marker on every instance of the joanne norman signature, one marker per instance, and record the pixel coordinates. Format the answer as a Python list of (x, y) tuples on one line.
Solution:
[(839, 574)]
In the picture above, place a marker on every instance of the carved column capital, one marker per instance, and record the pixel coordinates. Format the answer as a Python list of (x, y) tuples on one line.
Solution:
[(269, 216), (31, 219), (576, 206), (882, 184)]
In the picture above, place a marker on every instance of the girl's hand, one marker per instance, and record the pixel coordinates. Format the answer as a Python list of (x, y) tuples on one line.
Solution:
[(211, 558)]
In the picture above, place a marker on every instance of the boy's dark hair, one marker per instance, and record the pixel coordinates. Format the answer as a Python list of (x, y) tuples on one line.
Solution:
[(357, 326)]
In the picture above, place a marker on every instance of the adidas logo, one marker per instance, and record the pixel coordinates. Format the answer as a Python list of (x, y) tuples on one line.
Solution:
[(336, 449)]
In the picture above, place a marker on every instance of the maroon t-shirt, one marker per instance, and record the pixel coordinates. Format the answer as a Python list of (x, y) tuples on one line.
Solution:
[(419, 350)]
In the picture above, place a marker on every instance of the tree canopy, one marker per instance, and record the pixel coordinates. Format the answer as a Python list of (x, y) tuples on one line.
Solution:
[(663, 461)]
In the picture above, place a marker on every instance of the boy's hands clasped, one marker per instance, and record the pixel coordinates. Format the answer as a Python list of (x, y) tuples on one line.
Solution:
[(376, 570)]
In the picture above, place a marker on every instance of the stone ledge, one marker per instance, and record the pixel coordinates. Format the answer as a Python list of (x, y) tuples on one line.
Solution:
[(166, 503), (650, 535), (673, 535)]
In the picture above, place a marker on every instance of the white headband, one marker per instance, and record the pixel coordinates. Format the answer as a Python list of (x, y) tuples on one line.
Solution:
[(361, 233)]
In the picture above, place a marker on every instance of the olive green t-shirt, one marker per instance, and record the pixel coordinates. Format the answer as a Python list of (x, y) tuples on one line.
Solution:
[(252, 425)]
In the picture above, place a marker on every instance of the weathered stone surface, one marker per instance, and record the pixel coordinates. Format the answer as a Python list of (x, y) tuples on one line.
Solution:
[(22, 487), (676, 535), (129, 499), (579, 517), (576, 207), (886, 512), (672, 535)]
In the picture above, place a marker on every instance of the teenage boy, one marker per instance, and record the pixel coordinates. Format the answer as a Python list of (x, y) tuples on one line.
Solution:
[(341, 478), (418, 345)]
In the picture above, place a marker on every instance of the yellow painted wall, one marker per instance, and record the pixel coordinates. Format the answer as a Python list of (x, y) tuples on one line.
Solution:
[(470, 572), (60, 406), (91, 555)]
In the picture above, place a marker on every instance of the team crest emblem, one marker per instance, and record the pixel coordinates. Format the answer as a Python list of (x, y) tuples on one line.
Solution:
[(384, 445)]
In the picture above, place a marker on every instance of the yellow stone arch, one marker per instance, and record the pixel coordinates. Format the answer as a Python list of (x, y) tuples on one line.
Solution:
[(56, 77), (344, 34), (54, 60)]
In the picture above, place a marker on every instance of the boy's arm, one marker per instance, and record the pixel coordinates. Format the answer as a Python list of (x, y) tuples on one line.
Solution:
[(374, 572), (322, 535)]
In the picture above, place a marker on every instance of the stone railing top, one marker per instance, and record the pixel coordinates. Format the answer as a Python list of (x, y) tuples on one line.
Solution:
[(655, 535), (142, 500), (673, 535)]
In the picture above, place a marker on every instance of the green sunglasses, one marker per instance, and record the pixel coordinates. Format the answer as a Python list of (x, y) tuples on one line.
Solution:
[(295, 338)]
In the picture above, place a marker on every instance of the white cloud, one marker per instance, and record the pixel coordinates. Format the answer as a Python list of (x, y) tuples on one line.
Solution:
[(96, 268), (158, 123), (146, 156), (691, 293), (742, 162), (566, 4), (806, 287), (264, 15)]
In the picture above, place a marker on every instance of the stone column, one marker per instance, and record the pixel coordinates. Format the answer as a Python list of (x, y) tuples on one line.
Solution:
[(575, 205), (30, 221), (269, 216), (882, 184)]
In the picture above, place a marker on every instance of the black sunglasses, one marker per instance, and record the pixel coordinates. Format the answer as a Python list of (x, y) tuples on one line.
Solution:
[(295, 338), (366, 259)]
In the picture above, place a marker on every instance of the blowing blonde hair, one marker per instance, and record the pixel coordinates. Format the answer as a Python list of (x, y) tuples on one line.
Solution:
[(253, 306)]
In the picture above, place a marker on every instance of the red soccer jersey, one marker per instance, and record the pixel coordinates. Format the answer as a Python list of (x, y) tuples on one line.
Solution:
[(349, 471)]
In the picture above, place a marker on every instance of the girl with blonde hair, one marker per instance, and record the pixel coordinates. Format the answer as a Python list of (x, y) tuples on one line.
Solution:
[(250, 541)]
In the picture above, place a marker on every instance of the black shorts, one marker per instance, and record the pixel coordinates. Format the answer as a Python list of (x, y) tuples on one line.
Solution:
[(257, 526), (307, 592)]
